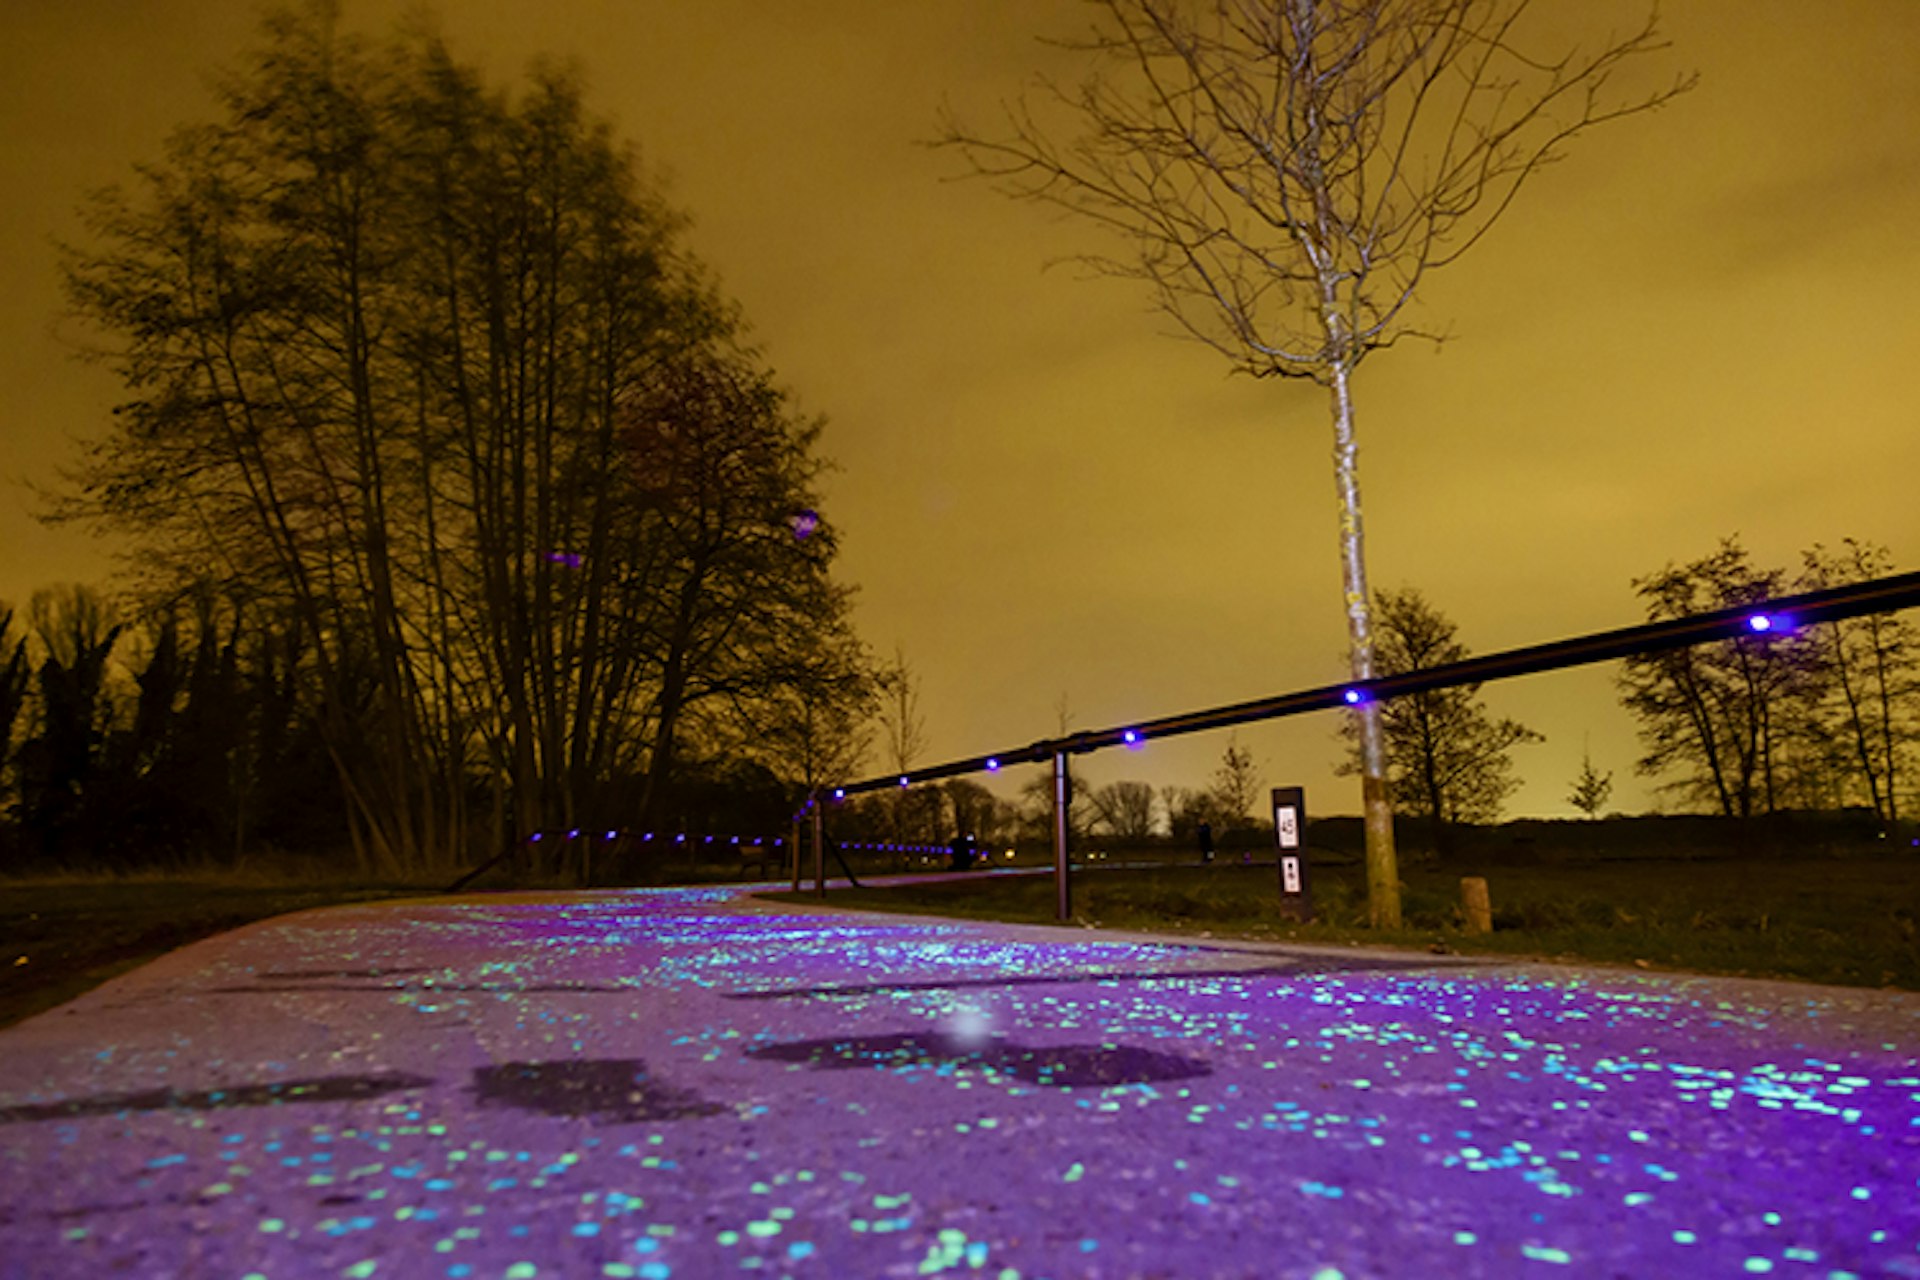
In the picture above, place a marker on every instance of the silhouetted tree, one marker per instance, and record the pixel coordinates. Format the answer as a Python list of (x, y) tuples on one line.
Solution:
[(1125, 809), (1591, 788), (1451, 761), (63, 761), (419, 367), (1871, 670), (1285, 174), (1717, 714), (903, 730), (1188, 807), (15, 678), (1235, 790)]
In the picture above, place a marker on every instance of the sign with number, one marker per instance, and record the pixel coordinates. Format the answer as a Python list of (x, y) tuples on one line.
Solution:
[(1290, 840)]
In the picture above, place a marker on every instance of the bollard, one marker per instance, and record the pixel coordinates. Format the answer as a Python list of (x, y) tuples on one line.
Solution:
[(1476, 905)]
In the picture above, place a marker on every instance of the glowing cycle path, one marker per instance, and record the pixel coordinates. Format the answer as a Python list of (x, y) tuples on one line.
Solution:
[(690, 1083)]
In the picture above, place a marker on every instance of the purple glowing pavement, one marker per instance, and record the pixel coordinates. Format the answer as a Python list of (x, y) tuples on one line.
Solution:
[(690, 1083)]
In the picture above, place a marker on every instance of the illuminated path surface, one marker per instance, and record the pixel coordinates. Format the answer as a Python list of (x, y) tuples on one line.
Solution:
[(686, 1083)]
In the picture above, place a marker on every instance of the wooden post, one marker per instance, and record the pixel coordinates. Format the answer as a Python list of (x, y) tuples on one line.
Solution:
[(1475, 904), (794, 850), (1062, 871), (819, 854)]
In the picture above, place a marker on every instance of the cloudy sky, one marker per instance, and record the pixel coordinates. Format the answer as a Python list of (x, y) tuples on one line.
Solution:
[(1704, 322)]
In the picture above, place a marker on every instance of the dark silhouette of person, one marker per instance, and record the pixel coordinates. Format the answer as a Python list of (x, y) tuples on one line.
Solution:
[(963, 852), (1205, 832)]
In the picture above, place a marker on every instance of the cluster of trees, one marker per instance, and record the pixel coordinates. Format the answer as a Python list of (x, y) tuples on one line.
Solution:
[(444, 459), (1820, 717), (1816, 718), (1284, 176)]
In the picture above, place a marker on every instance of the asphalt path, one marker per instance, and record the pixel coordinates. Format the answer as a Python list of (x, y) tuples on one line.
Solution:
[(695, 1083)]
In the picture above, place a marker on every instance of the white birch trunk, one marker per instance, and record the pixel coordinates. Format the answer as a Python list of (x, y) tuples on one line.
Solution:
[(1383, 866)]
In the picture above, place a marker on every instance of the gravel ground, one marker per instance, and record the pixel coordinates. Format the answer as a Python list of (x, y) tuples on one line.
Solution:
[(691, 1083)]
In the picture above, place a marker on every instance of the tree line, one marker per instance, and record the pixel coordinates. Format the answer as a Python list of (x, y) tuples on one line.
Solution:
[(448, 476), (1823, 717), (1819, 718)]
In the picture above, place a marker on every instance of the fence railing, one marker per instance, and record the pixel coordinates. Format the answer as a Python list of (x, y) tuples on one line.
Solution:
[(1780, 615)]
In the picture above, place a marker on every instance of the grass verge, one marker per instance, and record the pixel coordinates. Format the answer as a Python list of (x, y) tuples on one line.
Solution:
[(1844, 921), (59, 939)]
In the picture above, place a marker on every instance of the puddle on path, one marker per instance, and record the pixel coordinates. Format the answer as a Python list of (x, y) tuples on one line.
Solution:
[(607, 1090), (1060, 1066), (277, 1093)]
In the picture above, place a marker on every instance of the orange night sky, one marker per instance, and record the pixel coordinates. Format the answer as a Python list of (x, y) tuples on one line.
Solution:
[(1703, 322)]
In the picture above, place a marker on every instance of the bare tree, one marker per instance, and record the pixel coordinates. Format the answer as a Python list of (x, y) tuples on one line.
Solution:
[(1236, 783), (1591, 788), (420, 366), (1714, 717), (1285, 173), (1125, 809), (1871, 679), (1450, 760), (911, 814)]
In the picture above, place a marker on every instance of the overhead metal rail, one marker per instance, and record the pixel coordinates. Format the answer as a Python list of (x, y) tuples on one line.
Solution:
[(1781, 615)]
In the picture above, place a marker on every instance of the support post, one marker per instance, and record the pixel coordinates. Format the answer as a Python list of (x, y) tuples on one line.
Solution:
[(1290, 840), (819, 853), (793, 851), (1475, 904), (1062, 873)]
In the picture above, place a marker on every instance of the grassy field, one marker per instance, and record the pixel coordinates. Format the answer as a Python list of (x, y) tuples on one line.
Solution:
[(61, 938), (1853, 921), (1847, 920)]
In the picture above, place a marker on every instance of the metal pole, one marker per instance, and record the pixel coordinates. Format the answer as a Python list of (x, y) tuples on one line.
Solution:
[(1786, 613), (1062, 883), (819, 854)]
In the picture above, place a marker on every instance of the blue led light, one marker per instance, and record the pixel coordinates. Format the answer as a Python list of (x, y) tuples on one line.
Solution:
[(1354, 696), (1131, 737), (839, 793), (993, 764), (574, 834), (903, 779), (1760, 622), (534, 837)]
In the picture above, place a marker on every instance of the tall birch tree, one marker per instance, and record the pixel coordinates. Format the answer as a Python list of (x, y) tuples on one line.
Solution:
[(1284, 174)]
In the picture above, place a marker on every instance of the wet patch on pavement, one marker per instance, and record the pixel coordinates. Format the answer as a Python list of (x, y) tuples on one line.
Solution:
[(606, 1090), (277, 1093), (1061, 1066)]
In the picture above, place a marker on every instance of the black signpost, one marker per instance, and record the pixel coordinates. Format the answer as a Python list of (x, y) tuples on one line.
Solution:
[(1290, 837)]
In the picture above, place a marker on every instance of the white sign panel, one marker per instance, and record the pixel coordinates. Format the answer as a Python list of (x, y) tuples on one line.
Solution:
[(1287, 823), (1290, 874)]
